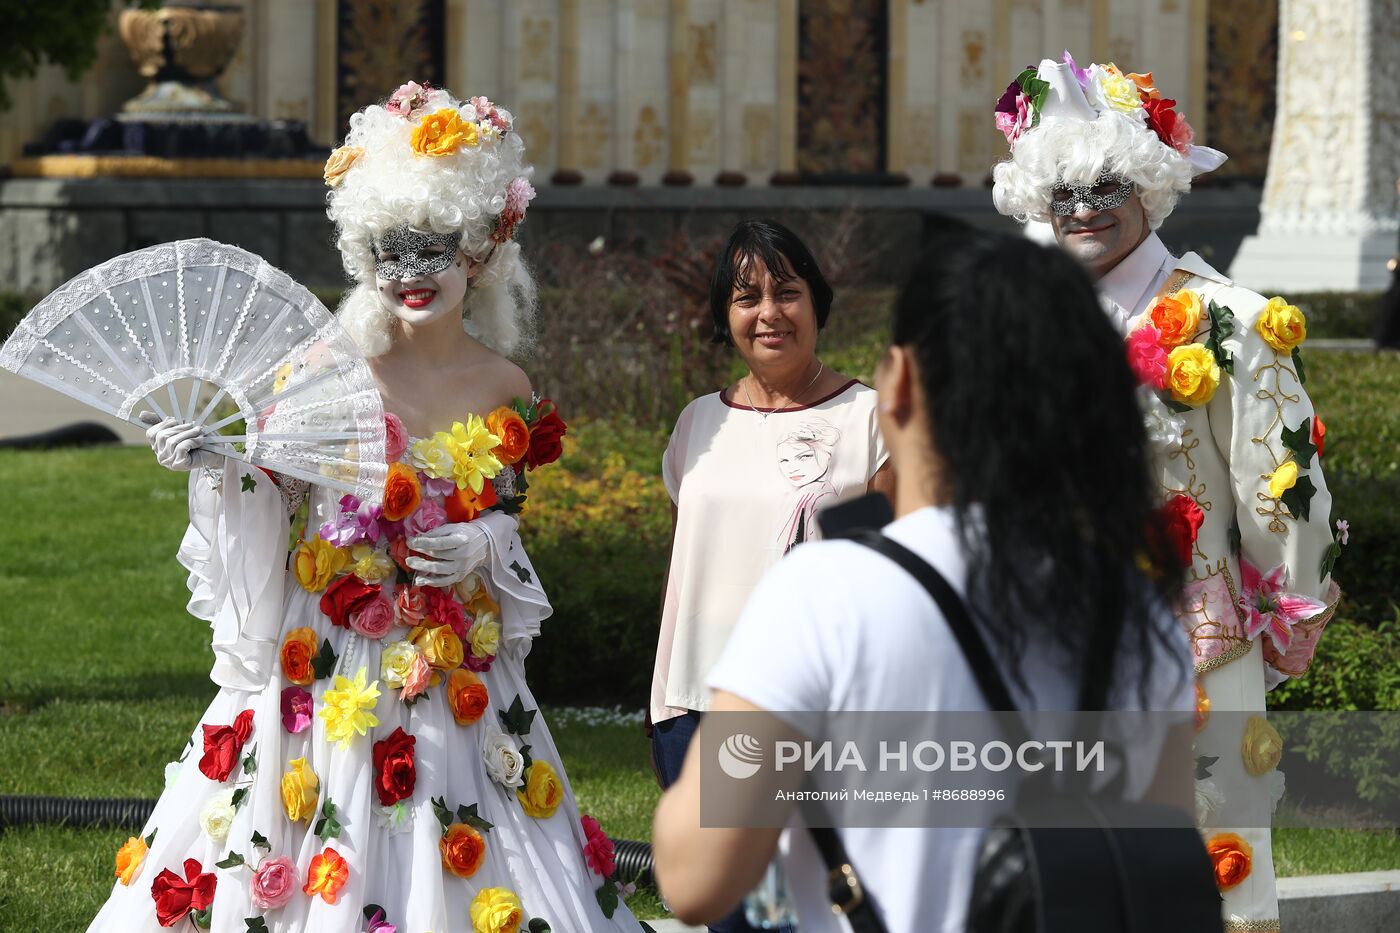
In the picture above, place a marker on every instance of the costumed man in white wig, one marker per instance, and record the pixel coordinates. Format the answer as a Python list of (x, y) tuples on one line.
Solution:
[(1103, 157)]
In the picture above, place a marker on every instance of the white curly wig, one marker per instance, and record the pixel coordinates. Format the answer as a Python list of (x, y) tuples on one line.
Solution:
[(1074, 152), (388, 184)]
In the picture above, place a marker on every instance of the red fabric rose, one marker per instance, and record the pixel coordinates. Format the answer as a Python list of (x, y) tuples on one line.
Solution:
[(1170, 126), (598, 850), (545, 434), (1181, 519), (176, 897), (394, 771), (1319, 434), (346, 595), (223, 745), (441, 609)]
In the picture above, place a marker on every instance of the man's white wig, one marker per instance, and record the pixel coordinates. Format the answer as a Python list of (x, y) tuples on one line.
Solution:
[(411, 161), (1067, 125)]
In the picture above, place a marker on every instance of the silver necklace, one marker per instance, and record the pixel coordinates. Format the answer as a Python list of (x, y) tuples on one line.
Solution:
[(763, 415)]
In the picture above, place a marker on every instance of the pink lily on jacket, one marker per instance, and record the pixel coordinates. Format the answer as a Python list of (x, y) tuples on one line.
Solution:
[(1269, 608)]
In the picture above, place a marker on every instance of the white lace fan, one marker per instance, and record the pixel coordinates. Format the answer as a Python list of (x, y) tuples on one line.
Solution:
[(193, 328)]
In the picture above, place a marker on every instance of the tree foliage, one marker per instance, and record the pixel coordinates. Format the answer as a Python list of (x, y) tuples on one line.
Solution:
[(58, 32)]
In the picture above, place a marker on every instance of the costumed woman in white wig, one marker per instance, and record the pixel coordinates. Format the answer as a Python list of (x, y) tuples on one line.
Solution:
[(373, 759)]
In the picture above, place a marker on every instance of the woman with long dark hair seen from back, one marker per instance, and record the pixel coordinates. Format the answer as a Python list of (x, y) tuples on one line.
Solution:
[(1022, 474)]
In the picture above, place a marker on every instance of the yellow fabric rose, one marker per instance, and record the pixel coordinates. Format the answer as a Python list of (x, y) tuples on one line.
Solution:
[(496, 910), (1262, 746), (1282, 325), (316, 562), (340, 162), (442, 132), (542, 792), (1192, 374), (1119, 92), (486, 636), (130, 857), (371, 564), (299, 788), (396, 663), (1283, 479), (441, 647), (433, 455), (347, 708)]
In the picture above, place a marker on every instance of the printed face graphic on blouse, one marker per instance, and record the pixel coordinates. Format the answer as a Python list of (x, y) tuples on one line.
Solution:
[(805, 458)]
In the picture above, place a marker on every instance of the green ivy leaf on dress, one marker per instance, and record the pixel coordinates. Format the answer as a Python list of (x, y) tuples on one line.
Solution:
[(1298, 500), (527, 411), (249, 484), (647, 927), (538, 925), (202, 918), (1298, 367), (260, 841), (239, 796), (324, 663), (1179, 407), (328, 826), (607, 898), (1329, 559), (469, 816), (1222, 325), (517, 719), (1203, 765), (510, 505), (1233, 535), (520, 571), (250, 761), (443, 814), (1299, 440), (525, 759), (151, 839), (233, 861), (256, 924)]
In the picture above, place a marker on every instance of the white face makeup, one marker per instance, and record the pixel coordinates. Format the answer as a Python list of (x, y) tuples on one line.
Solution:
[(420, 277)]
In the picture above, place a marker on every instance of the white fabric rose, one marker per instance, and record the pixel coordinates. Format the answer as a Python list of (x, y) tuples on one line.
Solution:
[(1209, 800), (217, 815), (1275, 781), (395, 663), (504, 763), (172, 773), (1164, 427)]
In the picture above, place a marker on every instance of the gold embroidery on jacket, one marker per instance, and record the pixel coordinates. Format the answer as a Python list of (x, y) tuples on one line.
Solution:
[(1274, 509)]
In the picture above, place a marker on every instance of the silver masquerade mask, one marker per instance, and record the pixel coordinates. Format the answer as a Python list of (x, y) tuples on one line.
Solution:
[(1107, 192), (404, 253)]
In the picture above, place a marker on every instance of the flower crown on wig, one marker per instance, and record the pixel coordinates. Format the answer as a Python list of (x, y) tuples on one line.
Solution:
[(1066, 124), (436, 163)]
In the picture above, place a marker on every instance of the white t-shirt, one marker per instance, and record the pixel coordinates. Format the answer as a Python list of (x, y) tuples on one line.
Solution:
[(839, 627), (747, 489)]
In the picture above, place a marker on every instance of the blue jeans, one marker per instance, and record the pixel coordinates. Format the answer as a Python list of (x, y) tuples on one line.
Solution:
[(669, 740)]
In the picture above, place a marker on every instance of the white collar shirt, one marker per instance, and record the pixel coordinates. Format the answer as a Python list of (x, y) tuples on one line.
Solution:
[(1128, 286)]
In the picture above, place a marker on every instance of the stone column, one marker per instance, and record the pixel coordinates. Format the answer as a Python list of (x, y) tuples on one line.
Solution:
[(1328, 218)]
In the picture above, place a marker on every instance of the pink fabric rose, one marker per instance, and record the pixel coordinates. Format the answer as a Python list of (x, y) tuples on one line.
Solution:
[(395, 437), (519, 194), (1146, 356), (411, 606), (373, 620), (442, 609), (296, 709), (274, 882), (417, 680), (407, 99), (1012, 125), (598, 850), (430, 514)]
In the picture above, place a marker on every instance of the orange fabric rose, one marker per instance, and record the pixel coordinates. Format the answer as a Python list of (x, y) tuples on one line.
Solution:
[(1233, 858), (467, 696), (1202, 707), (1145, 85), (1176, 317), (506, 424), (463, 850), (130, 857), (442, 132), (463, 505), (402, 494), (297, 651), (327, 875)]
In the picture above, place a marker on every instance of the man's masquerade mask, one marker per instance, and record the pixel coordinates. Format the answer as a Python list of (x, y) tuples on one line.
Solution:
[(1107, 192), (405, 253)]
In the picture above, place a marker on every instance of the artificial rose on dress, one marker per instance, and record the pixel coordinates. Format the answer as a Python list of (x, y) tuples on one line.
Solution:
[(402, 493), (429, 515), (1262, 746), (542, 793), (467, 696), (1177, 317), (216, 817), (395, 437), (486, 637), (370, 564), (345, 596), (1181, 519), (1146, 356), (316, 562), (463, 850), (420, 676), (327, 875), (346, 709), (175, 897), (598, 849), (464, 505), (298, 648), (504, 763), (1192, 374), (396, 662), (374, 619), (411, 605), (274, 882), (300, 787), (441, 609), (546, 435), (496, 910), (1282, 325), (506, 424), (130, 858), (440, 646), (1319, 435), (223, 746), (394, 770), (1233, 859)]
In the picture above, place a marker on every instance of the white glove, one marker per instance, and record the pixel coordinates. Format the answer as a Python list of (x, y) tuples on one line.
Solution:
[(176, 443), (453, 551)]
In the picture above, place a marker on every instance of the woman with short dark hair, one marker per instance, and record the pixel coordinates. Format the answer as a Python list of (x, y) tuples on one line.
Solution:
[(750, 467)]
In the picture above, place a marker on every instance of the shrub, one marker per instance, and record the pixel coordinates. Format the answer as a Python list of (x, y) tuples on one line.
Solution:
[(1337, 315)]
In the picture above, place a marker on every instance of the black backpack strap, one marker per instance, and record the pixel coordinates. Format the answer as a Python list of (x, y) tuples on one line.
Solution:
[(843, 886), (955, 613)]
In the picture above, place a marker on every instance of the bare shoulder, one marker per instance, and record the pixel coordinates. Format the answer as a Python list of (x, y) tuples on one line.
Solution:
[(508, 382)]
